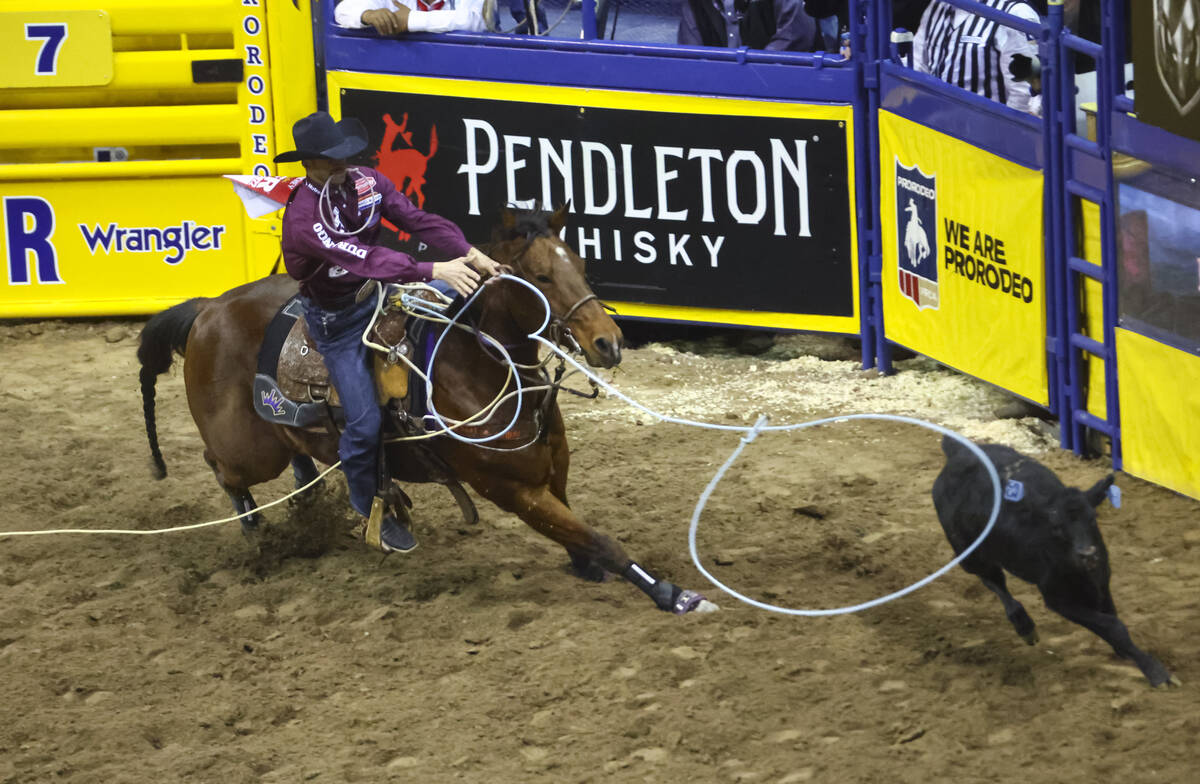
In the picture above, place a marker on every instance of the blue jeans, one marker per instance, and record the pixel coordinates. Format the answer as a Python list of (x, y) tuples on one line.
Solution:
[(338, 335)]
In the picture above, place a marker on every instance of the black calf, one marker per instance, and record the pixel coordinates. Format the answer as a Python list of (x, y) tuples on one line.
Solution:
[(1046, 534)]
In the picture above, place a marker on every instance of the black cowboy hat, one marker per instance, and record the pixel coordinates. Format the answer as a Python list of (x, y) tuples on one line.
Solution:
[(318, 136)]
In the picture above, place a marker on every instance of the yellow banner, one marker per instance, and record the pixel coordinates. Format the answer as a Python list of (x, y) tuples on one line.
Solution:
[(963, 263), (1160, 412), (101, 247), (55, 49)]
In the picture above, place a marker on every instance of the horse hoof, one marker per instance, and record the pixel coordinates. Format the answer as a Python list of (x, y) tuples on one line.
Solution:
[(250, 528), (690, 601)]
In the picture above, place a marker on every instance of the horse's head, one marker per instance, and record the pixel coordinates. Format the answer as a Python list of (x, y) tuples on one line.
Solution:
[(528, 242)]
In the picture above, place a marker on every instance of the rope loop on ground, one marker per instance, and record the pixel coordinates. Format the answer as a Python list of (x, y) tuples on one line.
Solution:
[(743, 442)]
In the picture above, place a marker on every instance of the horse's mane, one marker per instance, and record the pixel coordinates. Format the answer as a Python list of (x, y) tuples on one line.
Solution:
[(525, 223)]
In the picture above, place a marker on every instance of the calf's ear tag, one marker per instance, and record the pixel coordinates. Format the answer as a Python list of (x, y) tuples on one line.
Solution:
[(1014, 490), (1114, 496)]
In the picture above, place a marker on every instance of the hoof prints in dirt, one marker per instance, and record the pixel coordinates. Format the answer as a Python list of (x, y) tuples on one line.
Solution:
[(330, 669)]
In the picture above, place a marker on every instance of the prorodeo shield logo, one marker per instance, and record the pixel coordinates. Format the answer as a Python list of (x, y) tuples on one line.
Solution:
[(1177, 50), (916, 229)]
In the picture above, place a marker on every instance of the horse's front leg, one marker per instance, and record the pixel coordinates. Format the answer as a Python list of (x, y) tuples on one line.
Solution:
[(549, 516)]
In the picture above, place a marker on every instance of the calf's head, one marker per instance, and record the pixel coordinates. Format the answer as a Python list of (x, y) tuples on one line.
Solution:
[(1073, 522)]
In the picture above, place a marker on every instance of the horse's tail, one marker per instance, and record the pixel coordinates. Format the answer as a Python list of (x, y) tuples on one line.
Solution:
[(163, 336)]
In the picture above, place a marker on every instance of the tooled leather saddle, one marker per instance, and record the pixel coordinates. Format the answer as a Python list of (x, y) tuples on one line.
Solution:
[(292, 384)]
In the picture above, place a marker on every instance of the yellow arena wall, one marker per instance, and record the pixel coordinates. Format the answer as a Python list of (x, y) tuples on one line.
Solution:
[(116, 127), (1160, 412)]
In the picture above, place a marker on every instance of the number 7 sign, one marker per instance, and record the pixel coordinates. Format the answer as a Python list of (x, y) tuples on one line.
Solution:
[(55, 49), (53, 35)]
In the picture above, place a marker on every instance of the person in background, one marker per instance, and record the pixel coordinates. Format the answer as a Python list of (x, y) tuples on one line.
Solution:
[(779, 25), (520, 13), (394, 17), (967, 50), (833, 18)]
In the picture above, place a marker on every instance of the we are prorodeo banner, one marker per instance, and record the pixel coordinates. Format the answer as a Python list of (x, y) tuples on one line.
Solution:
[(963, 259)]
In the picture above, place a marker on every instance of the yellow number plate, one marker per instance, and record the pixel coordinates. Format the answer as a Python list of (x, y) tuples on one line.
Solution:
[(55, 49)]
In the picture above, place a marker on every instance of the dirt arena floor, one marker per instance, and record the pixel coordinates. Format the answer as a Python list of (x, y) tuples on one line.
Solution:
[(191, 657)]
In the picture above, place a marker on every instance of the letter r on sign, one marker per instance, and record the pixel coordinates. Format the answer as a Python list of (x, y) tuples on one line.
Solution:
[(28, 227)]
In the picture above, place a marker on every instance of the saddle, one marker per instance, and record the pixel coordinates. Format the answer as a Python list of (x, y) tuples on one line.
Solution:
[(292, 388), (292, 384)]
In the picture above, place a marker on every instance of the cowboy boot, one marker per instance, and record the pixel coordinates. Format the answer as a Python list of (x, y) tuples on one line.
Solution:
[(390, 532)]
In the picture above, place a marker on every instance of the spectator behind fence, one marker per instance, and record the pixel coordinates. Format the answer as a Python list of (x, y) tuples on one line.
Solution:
[(520, 14), (977, 54), (780, 25), (833, 17), (392, 17)]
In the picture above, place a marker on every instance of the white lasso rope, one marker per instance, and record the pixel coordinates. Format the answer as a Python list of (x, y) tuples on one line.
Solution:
[(148, 532), (751, 433)]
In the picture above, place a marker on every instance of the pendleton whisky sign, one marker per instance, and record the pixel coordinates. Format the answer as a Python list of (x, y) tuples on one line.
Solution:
[(673, 202)]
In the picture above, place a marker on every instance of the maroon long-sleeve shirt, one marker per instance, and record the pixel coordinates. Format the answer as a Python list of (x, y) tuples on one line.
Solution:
[(330, 266)]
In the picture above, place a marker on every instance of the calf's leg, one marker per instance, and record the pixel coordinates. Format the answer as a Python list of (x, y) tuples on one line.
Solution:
[(1110, 629), (993, 577)]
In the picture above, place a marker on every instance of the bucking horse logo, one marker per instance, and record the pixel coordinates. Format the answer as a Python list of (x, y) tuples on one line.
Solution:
[(405, 165), (916, 241), (916, 222)]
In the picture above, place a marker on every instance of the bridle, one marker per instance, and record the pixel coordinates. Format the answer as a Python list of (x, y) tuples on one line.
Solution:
[(558, 330), (561, 333)]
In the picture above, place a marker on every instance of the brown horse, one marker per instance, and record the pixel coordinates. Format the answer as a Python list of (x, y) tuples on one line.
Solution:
[(526, 475)]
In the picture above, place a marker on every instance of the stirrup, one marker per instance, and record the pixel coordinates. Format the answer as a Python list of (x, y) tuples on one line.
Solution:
[(373, 524)]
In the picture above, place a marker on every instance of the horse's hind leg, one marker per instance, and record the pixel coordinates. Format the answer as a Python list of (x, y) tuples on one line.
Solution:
[(305, 471), (243, 502), (244, 505)]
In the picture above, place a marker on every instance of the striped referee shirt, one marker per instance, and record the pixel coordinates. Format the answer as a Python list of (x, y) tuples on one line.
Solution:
[(974, 53)]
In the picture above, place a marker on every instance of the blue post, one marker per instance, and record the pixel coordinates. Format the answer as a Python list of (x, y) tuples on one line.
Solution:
[(870, 39), (588, 19), (1059, 299), (1110, 63)]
